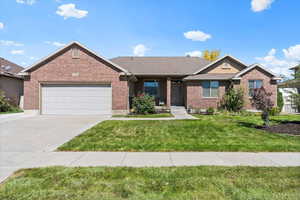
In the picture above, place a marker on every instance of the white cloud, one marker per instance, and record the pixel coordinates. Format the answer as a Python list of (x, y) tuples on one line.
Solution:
[(57, 44), (197, 36), (70, 10), (194, 53), (28, 2), (139, 50), (260, 5), (1, 25), (292, 53), (17, 52), (279, 66), (10, 43)]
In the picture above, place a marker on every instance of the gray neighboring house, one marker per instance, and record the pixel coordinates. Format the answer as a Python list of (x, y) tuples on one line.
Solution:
[(11, 83)]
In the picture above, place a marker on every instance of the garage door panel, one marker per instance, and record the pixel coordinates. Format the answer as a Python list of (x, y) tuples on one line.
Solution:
[(76, 99)]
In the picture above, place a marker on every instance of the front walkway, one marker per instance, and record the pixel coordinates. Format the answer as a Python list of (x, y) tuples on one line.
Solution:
[(179, 112)]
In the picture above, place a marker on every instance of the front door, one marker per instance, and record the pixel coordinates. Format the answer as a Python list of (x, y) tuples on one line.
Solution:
[(176, 93)]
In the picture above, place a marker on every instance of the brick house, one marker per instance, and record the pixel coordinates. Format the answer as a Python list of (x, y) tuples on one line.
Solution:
[(76, 80), (11, 84)]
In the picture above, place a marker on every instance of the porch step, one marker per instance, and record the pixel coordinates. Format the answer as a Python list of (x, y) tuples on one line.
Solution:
[(180, 112)]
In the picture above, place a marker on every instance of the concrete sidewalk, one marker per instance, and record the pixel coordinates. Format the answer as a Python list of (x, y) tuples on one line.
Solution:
[(11, 161)]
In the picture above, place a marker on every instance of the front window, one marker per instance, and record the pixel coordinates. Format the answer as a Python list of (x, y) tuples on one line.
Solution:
[(254, 84), (210, 88), (151, 88)]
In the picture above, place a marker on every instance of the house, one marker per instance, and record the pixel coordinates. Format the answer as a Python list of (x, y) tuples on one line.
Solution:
[(287, 88), (76, 80), (11, 84)]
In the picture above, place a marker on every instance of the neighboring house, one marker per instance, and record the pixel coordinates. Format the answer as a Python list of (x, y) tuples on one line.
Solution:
[(288, 107), (75, 80), (11, 83), (287, 88)]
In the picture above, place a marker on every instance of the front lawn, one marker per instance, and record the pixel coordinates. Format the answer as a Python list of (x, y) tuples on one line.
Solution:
[(172, 183), (156, 115), (208, 133)]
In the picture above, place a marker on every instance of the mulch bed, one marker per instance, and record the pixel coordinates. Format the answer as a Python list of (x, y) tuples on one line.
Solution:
[(291, 128)]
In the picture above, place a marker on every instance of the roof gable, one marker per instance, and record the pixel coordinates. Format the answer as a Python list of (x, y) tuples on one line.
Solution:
[(251, 67), (219, 60), (61, 50)]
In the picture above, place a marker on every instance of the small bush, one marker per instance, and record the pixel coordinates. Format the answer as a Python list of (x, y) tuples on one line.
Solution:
[(275, 111), (4, 103), (210, 111), (143, 104), (233, 100)]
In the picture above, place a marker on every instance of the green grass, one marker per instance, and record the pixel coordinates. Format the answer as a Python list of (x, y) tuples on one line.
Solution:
[(209, 133), (158, 115), (12, 111), (173, 183)]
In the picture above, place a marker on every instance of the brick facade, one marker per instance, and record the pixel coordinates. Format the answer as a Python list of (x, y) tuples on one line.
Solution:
[(196, 100), (85, 69), (257, 74)]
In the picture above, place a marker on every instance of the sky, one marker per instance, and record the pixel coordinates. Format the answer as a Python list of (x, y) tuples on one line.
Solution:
[(254, 31)]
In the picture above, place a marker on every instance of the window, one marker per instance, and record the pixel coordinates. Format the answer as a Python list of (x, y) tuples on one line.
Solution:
[(151, 88), (210, 88), (254, 84)]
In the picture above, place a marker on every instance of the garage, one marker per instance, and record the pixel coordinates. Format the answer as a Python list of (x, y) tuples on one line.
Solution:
[(76, 99)]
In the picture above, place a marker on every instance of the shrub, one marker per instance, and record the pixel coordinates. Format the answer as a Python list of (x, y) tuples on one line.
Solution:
[(233, 100), (275, 111), (4, 103), (295, 100), (143, 104), (279, 100), (210, 111), (262, 101)]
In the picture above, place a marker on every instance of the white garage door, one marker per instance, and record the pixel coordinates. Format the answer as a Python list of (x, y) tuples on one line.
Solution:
[(76, 99)]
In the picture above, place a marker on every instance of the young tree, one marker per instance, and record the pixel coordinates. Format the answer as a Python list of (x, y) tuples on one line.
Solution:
[(279, 100), (211, 55), (262, 101), (233, 99)]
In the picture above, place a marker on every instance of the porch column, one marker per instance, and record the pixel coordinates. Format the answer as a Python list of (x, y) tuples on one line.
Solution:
[(168, 92)]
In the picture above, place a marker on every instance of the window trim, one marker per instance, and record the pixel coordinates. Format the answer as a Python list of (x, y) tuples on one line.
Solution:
[(210, 97), (262, 84)]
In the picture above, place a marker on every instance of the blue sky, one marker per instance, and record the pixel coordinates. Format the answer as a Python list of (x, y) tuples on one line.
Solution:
[(263, 31)]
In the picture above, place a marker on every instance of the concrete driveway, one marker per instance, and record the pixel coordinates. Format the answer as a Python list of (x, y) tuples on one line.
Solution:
[(42, 133)]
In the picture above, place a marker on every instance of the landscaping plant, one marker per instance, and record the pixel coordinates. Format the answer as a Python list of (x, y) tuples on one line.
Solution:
[(233, 100), (4, 104), (295, 99), (143, 104), (210, 111), (262, 101), (279, 100)]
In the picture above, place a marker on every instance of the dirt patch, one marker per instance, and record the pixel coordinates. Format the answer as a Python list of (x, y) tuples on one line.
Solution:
[(291, 128)]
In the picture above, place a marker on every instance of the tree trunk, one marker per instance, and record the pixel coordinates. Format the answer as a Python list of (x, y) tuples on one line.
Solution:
[(265, 118)]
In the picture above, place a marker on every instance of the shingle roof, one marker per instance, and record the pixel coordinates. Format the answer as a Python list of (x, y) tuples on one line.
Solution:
[(161, 65), (211, 76), (9, 69)]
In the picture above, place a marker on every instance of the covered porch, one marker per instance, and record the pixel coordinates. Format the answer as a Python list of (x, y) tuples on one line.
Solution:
[(167, 91)]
